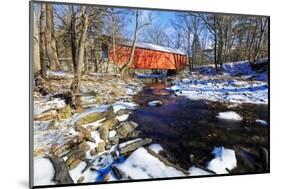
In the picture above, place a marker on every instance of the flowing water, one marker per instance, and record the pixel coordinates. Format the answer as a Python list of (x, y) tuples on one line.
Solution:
[(187, 128)]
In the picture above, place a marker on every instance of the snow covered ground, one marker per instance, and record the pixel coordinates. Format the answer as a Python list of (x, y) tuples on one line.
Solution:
[(238, 83)]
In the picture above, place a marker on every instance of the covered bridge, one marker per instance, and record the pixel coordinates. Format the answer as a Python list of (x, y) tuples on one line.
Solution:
[(149, 56)]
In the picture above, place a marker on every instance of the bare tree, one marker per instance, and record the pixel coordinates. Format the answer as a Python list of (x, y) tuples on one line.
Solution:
[(50, 39), (81, 49), (42, 42), (36, 53)]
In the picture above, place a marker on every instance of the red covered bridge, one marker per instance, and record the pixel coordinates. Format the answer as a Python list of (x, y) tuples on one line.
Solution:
[(149, 56)]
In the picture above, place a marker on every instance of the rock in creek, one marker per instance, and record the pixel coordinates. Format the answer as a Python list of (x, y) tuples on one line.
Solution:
[(133, 144), (126, 128), (155, 103)]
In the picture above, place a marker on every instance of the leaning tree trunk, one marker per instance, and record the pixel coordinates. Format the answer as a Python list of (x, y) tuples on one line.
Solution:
[(36, 53), (42, 42), (77, 74), (50, 44), (124, 72)]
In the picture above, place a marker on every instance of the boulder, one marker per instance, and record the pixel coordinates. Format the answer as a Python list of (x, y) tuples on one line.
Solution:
[(133, 144), (101, 147), (122, 112), (93, 152), (84, 146), (45, 116), (155, 103), (114, 140), (95, 115), (85, 133), (103, 131), (110, 123), (126, 128), (65, 113)]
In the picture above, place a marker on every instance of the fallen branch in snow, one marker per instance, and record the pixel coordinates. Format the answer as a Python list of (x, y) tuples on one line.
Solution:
[(165, 161), (62, 175)]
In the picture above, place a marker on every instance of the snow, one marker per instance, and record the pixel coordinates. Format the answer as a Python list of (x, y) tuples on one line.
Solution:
[(47, 103), (230, 115), (156, 148), (123, 117), (262, 122), (142, 165), (153, 47), (60, 74), (224, 159), (124, 105), (89, 175), (112, 133), (195, 171), (238, 83), (140, 75), (43, 172)]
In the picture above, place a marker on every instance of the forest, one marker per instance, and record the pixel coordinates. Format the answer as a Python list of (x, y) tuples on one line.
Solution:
[(130, 93)]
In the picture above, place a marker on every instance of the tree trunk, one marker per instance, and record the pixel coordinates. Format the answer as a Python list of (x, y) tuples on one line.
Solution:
[(42, 42), (215, 45), (124, 72), (73, 39), (36, 53), (50, 43), (77, 74)]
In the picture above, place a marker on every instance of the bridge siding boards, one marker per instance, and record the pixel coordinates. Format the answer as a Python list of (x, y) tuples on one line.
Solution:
[(149, 59)]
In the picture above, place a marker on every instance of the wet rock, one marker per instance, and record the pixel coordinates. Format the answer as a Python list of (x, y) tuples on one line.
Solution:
[(81, 179), (126, 128), (133, 144), (101, 147), (155, 103)]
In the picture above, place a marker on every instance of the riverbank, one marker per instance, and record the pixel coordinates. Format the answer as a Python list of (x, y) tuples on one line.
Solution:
[(124, 129)]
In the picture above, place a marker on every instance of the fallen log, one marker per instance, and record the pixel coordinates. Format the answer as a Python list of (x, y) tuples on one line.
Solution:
[(62, 175), (165, 161)]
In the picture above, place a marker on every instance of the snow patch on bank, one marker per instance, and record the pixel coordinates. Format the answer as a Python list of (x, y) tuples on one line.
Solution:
[(142, 165), (156, 148), (238, 83), (43, 172), (224, 160)]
